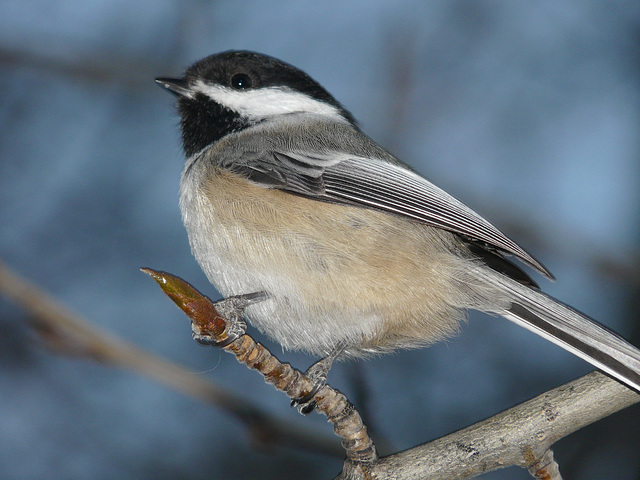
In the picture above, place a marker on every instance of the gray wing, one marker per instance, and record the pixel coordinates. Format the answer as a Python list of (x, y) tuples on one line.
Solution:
[(377, 183)]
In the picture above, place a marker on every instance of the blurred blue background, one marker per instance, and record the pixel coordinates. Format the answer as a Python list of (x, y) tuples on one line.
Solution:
[(526, 111)]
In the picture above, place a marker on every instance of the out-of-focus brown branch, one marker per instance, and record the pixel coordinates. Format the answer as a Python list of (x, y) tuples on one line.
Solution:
[(66, 332), (106, 68)]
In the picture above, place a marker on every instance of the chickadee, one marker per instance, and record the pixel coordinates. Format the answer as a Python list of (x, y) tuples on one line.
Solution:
[(335, 246)]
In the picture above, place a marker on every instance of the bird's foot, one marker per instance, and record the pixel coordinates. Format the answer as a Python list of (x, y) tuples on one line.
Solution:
[(232, 310), (317, 374)]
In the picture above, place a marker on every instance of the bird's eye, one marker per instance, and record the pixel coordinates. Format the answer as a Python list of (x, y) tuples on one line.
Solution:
[(241, 81)]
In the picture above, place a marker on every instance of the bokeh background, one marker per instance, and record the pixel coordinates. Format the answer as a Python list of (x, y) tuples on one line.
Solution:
[(526, 111)]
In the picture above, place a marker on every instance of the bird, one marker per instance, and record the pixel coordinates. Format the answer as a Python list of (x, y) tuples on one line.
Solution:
[(329, 244)]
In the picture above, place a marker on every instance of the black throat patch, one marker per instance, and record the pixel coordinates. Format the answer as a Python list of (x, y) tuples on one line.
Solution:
[(205, 122)]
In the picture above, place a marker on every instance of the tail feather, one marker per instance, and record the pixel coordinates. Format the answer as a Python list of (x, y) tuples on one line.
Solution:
[(572, 330)]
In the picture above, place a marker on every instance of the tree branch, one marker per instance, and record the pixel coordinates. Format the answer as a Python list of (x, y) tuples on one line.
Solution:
[(519, 436)]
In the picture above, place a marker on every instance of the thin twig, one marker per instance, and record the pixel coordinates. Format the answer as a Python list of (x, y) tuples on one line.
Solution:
[(206, 319)]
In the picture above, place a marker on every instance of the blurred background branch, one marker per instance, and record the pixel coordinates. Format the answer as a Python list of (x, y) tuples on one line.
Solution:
[(66, 333)]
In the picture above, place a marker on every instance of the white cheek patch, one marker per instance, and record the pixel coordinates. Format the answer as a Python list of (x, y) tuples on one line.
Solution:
[(265, 102)]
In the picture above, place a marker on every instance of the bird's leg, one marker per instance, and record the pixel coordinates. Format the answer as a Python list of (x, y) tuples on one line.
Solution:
[(317, 374), (232, 309)]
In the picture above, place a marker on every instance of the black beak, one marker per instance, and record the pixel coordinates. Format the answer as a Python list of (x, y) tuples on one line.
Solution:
[(177, 86)]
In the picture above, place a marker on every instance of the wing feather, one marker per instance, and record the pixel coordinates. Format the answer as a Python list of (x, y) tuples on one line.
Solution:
[(381, 184)]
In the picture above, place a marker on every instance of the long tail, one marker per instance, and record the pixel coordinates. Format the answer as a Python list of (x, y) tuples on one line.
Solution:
[(570, 329)]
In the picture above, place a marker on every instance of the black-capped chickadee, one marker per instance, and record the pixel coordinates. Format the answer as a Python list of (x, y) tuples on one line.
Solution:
[(286, 201)]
